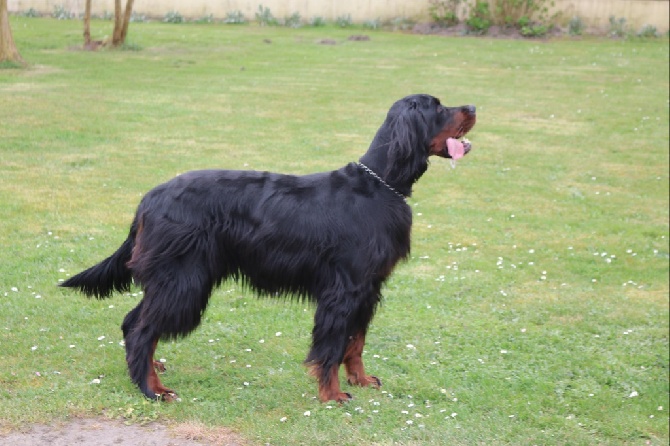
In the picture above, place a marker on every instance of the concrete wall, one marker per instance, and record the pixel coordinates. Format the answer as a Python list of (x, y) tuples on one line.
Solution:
[(359, 10), (637, 13), (593, 12)]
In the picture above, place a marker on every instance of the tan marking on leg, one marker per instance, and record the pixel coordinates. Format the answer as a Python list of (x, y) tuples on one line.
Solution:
[(154, 383), (330, 391), (159, 366), (353, 364)]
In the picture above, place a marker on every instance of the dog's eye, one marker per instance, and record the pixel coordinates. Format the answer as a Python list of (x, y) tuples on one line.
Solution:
[(440, 109)]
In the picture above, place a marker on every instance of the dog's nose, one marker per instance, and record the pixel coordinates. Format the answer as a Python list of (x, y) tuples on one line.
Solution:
[(470, 109)]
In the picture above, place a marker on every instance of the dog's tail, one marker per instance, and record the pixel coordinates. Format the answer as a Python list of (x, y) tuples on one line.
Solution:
[(112, 274)]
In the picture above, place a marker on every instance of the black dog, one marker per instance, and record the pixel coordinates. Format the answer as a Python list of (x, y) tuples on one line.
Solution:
[(331, 237)]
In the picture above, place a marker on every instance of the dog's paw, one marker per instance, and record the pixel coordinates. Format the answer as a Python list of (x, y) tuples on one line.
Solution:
[(337, 396), (344, 397), (365, 381), (168, 396), (159, 366)]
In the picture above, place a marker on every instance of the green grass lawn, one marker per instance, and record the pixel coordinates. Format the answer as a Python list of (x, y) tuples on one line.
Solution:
[(533, 310)]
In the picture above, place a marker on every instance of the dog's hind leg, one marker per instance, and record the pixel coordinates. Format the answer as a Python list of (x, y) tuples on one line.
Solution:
[(140, 347), (173, 305), (329, 339), (129, 322), (131, 319)]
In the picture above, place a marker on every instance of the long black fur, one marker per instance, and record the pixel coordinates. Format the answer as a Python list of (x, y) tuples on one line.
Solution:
[(331, 237)]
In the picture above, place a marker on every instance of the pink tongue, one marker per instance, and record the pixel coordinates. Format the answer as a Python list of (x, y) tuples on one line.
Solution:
[(455, 148)]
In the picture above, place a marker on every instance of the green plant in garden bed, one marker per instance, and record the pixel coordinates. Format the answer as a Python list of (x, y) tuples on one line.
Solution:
[(318, 21), (511, 12), (575, 26), (293, 21), (527, 28), (648, 31), (264, 16), (235, 18), (344, 21), (618, 27), (173, 17), (479, 20), (445, 12)]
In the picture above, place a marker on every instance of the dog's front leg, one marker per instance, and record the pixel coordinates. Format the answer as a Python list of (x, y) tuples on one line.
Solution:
[(353, 363), (329, 384), (329, 343)]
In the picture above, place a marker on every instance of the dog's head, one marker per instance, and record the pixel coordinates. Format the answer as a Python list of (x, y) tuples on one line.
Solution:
[(437, 128), (419, 126)]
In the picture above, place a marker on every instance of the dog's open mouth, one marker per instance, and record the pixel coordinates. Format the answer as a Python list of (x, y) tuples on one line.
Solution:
[(451, 142), (458, 148)]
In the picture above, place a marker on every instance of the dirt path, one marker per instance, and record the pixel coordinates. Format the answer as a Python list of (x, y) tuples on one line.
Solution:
[(100, 432)]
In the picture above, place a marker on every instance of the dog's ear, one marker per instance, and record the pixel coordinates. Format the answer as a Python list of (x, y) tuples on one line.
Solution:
[(407, 152)]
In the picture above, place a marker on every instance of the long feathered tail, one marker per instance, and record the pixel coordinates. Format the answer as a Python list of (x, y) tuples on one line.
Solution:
[(112, 274)]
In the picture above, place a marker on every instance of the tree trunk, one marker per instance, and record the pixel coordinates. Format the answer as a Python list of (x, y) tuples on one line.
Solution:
[(89, 45), (121, 20), (116, 35), (8, 51), (126, 19), (87, 24)]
